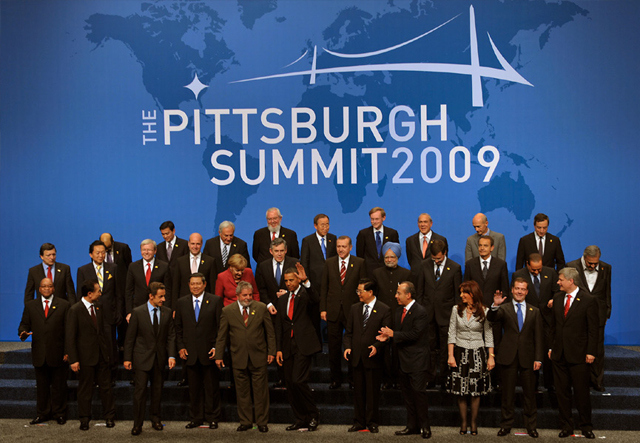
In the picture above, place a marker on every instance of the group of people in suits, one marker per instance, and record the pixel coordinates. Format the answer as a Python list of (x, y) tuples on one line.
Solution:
[(217, 304)]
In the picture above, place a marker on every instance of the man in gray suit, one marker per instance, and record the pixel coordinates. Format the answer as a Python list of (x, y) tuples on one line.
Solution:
[(481, 225)]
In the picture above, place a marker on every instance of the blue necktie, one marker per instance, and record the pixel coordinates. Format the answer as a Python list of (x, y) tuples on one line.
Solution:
[(365, 317), (520, 317), (378, 243), (536, 285), (324, 248), (197, 309), (278, 273)]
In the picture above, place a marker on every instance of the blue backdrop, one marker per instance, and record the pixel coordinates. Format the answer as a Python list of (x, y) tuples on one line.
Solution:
[(447, 107)]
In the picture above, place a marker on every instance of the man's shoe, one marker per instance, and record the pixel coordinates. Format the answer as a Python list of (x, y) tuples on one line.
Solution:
[(426, 433), (532, 433), (374, 429), (356, 428), (296, 426), (61, 420), (313, 424), (407, 431), (599, 388), (136, 430), (38, 420), (504, 431), (193, 424), (183, 382), (213, 425), (589, 434), (565, 434), (243, 428), (279, 385), (157, 426), (84, 425), (263, 428), (334, 385), (110, 423)]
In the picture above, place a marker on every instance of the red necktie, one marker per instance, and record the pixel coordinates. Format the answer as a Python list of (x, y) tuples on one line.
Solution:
[(404, 313), (49, 276), (567, 305), (343, 273), (94, 318), (273, 236), (148, 274), (291, 310), (245, 315), (46, 308)]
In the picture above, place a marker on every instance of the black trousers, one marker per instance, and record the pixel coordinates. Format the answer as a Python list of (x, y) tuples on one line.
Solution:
[(87, 378), (51, 390), (141, 378), (438, 340), (597, 367), (366, 395), (204, 392), (297, 369), (413, 386), (574, 376), (509, 380), (335, 330)]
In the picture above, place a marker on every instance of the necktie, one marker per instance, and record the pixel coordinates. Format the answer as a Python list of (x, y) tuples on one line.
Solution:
[(169, 251), (540, 248), (425, 245), (273, 236), (245, 315), (365, 316), (155, 321), (225, 255), (404, 313), (99, 274), (536, 284), (290, 313), (194, 265), (46, 308), (49, 276), (324, 248), (378, 242), (197, 309), (278, 272), (109, 259), (343, 273), (484, 269), (520, 317), (93, 317), (438, 272), (567, 305), (148, 274)]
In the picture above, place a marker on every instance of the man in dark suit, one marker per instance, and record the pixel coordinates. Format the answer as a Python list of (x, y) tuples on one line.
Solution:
[(44, 320), (120, 254), (370, 240), (111, 301), (488, 271), (540, 241), (541, 287), (89, 353), (263, 237), (366, 354), (197, 318), (172, 247), (269, 273), (337, 293), (481, 225), (149, 345), (520, 354), (418, 244), (141, 273), (296, 343), (224, 245), (411, 340), (248, 329), (58, 273), (194, 261), (575, 342), (438, 290), (595, 277)]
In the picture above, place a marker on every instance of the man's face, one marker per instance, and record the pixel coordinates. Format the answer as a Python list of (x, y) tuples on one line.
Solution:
[(438, 258), (403, 296), (46, 288), (291, 282), (541, 227), (520, 291), (226, 235), (167, 234), (363, 295), (535, 267), (245, 297), (49, 257), (147, 251), (195, 243), (273, 220), (196, 285), (98, 254), (158, 299), (377, 219), (94, 295), (278, 252), (390, 259), (481, 226), (343, 247), (591, 262), (424, 224), (565, 284), (106, 239), (236, 272), (322, 227), (485, 247)]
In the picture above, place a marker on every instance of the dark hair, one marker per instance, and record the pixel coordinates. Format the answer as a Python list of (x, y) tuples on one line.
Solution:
[(437, 246), (277, 242), (345, 237), (168, 224), (486, 236), (540, 218), (369, 285), (472, 288), (318, 217), (518, 280), (94, 244), (534, 257), (46, 247), (410, 287), (155, 286), (89, 286), (198, 275)]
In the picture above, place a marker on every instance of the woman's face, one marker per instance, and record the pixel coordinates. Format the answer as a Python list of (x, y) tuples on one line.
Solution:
[(466, 297), (236, 272)]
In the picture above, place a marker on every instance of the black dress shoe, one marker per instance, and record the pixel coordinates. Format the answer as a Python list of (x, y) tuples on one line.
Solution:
[(263, 428), (193, 424), (373, 429), (504, 431), (38, 420), (334, 385), (589, 434), (295, 426), (532, 433), (213, 425), (136, 430), (356, 428), (110, 423), (426, 433), (84, 425), (157, 426), (183, 382), (565, 434), (313, 424), (243, 428), (407, 431), (61, 420)]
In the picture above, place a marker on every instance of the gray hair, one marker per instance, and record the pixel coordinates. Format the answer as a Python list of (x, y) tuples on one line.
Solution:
[(570, 274), (242, 286), (148, 241), (226, 224), (592, 251), (273, 210)]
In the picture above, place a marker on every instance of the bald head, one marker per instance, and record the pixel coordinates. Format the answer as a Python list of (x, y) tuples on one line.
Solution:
[(107, 239), (195, 243), (480, 223)]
